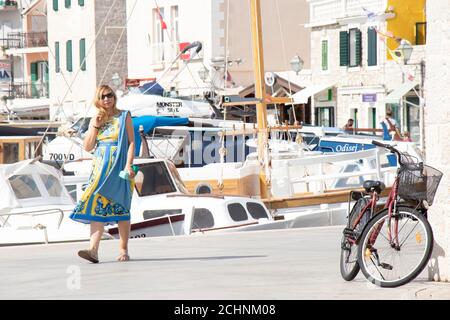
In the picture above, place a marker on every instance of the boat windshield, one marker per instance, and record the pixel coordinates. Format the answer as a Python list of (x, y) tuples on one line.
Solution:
[(153, 178), (176, 176), (25, 186)]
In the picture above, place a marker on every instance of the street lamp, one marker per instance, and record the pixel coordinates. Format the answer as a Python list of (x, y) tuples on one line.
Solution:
[(203, 73), (406, 50), (297, 64), (117, 81)]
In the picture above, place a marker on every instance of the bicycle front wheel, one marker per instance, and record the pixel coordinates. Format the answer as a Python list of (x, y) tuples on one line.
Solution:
[(395, 250)]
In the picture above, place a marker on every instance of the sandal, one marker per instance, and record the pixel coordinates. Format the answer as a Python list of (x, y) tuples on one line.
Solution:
[(88, 255), (123, 257)]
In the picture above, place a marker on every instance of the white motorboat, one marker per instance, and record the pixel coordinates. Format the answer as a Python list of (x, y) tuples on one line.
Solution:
[(35, 206), (162, 206)]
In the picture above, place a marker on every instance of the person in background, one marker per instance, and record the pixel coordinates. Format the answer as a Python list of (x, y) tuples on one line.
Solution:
[(392, 126), (348, 128), (407, 136), (107, 197)]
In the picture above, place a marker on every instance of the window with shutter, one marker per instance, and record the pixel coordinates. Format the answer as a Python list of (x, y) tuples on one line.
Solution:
[(57, 66), (324, 55), (343, 48), (81, 3), (69, 55), (67, 3), (55, 5), (355, 47), (83, 54), (34, 78), (371, 47), (358, 47)]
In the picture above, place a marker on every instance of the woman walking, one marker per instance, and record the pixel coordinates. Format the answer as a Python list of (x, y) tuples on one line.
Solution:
[(107, 197)]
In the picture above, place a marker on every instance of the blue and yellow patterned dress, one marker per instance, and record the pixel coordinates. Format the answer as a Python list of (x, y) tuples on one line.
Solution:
[(93, 206)]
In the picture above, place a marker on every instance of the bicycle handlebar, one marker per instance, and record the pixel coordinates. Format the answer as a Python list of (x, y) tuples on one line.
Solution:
[(389, 147)]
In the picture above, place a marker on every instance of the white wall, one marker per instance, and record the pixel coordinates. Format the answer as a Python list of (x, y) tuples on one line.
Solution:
[(206, 21), (437, 127), (195, 19), (74, 90)]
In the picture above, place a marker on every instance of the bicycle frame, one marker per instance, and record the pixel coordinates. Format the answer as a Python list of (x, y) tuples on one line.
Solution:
[(372, 203), (390, 205)]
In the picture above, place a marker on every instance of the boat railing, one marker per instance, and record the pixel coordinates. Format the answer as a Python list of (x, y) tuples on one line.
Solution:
[(163, 146), (32, 214), (317, 164)]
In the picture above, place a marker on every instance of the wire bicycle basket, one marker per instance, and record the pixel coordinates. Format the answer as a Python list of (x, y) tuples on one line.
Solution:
[(417, 181)]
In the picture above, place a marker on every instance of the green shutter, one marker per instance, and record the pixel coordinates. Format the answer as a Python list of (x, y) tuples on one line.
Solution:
[(374, 118), (57, 66), (46, 78), (371, 47), (343, 48), (34, 77), (358, 47), (55, 5), (82, 54), (324, 55), (67, 3), (69, 55), (81, 3)]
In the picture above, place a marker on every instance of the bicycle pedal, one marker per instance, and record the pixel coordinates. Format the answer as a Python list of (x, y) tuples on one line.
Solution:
[(386, 266), (348, 232)]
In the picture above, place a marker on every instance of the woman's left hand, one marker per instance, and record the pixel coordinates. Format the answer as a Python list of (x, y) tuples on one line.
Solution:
[(130, 172)]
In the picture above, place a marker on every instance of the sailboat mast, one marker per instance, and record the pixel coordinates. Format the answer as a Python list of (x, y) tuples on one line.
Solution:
[(260, 89)]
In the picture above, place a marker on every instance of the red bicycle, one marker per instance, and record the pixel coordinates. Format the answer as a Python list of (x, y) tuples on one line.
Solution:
[(391, 246)]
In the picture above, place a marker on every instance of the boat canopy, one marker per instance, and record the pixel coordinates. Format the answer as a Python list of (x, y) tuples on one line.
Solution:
[(149, 88), (31, 183), (150, 122)]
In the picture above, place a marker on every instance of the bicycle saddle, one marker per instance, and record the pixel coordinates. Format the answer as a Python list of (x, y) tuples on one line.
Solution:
[(371, 185)]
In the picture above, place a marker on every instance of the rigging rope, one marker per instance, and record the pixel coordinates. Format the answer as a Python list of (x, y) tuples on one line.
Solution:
[(284, 55)]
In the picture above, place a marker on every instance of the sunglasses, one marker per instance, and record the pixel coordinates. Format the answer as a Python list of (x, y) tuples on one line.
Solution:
[(109, 95)]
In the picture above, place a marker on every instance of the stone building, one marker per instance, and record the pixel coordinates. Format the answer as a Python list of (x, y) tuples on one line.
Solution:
[(87, 47), (350, 44), (437, 128)]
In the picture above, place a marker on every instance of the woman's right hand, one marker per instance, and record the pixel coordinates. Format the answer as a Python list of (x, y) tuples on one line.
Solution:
[(95, 122)]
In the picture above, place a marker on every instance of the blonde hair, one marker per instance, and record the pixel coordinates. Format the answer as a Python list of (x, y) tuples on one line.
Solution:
[(101, 112)]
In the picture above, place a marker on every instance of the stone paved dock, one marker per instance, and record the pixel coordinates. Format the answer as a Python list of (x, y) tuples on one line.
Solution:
[(280, 264)]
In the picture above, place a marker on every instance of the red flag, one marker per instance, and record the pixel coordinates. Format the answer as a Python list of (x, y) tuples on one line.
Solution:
[(187, 54), (163, 24)]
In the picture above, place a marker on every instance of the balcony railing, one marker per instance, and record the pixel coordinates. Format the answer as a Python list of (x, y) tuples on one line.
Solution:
[(6, 43), (29, 90), (27, 39)]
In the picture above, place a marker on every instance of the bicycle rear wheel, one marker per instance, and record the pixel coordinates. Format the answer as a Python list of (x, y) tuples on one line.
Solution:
[(395, 250), (349, 259)]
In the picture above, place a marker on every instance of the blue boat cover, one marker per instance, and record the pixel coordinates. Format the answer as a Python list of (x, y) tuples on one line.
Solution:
[(151, 122), (151, 88)]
